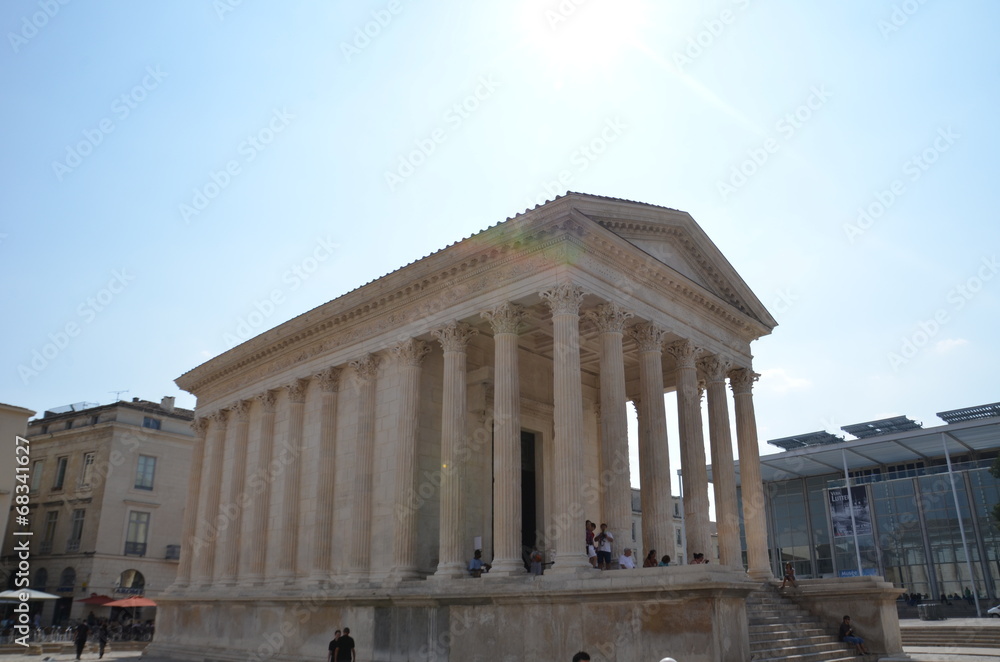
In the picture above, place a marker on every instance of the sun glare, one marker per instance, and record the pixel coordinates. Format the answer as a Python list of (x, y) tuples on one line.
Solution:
[(579, 36)]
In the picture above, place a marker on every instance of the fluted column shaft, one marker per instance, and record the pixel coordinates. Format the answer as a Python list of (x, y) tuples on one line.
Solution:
[(506, 319), (654, 455), (694, 474), (754, 520), (454, 339), (288, 527), (233, 507), (200, 427), (207, 532), (723, 470), (567, 446), (329, 383), (409, 357), (615, 483), (365, 371), (261, 479)]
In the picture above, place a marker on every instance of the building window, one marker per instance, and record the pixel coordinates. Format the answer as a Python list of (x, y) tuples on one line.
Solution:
[(138, 530), (51, 520), (36, 475), (60, 472), (151, 423), (69, 425), (173, 552), (95, 419), (45, 429), (678, 537), (41, 579), (87, 473), (144, 472), (76, 532), (67, 580)]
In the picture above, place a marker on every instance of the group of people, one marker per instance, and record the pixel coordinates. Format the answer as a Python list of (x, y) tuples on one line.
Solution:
[(82, 632), (341, 647)]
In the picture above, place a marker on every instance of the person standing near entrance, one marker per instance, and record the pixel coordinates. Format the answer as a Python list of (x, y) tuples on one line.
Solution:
[(345, 647)]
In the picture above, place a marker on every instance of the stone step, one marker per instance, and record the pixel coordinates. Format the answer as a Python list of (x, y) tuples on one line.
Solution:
[(778, 628)]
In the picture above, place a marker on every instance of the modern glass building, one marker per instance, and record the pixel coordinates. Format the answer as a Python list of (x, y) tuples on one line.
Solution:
[(918, 511)]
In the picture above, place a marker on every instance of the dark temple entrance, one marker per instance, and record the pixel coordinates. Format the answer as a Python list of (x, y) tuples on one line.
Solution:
[(529, 519)]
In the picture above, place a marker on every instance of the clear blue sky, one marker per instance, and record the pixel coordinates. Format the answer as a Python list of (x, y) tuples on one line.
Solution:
[(119, 116)]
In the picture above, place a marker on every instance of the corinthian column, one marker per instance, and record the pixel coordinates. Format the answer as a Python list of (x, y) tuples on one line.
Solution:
[(454, 339), (654, 455), (506, 320), (200, 427), (567, 446), (754, 522), (207, 533), (616, 488), (365, 371), (329, 384), (233, 510), (723, 471), (288, 527), (693, 472), (260, 479), (409, 357)]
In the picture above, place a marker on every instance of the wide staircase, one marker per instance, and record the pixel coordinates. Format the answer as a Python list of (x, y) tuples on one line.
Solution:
[(781, 630), (952, 636)]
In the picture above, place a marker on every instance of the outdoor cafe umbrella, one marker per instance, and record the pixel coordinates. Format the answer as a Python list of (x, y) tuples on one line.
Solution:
[(134, 601), (97, 600), (14, 595)]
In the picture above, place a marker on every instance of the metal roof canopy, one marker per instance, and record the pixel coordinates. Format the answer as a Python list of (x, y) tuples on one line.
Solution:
[(970, 413), (881, 426), (820, 438), (897, 448)]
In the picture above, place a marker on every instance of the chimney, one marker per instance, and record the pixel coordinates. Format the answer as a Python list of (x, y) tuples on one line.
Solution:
[(167, 402)]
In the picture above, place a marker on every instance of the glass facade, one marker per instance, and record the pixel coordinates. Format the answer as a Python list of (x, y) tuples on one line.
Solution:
[(916, 536)]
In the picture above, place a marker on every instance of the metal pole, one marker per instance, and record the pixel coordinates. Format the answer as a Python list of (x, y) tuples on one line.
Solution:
[(850, 501), (961, 527)]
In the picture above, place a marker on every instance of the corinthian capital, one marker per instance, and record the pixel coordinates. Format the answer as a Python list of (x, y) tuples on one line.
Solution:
[(297, 390), (454, 337), (200, 426), (219, 417), (609, 317), (365, 368), (648, 337), (266, 401), (715, 368), (241, 411), (505, 318), (411, 351), (564, 299), (329, 379), (684, 351), (741, 380)]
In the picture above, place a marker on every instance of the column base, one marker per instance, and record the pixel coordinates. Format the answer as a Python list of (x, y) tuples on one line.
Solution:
[(450, 571), (506, 568), (760, 575)]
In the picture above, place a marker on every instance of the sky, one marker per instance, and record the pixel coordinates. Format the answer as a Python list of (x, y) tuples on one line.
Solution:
[(167, 167)]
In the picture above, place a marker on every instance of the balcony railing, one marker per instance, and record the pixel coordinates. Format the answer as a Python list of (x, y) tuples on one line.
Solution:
[(72, 546), (135, 549), (45, 547), (173, 552)]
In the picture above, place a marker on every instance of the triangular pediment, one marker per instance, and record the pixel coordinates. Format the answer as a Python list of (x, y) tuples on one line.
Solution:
[(673, 239)]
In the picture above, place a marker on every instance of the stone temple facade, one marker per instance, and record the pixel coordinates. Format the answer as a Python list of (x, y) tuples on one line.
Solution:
[(353, 458)]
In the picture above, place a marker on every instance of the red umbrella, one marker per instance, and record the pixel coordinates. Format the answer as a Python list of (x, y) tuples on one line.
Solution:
[(134, 601), (97, 600)]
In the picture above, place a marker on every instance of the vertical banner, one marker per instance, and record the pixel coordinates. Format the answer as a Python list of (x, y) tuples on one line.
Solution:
[(840, 511)]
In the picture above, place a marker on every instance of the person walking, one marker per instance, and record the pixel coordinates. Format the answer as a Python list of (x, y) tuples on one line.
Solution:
[(345, 647), (102, 636), (80, 638)]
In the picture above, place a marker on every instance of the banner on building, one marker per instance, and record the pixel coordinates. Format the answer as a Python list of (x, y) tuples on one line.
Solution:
[(841, 508)]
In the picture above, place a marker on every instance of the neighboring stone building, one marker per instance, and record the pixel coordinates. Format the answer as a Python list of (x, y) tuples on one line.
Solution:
[(108, 485), (13, 423), (350, 460)]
